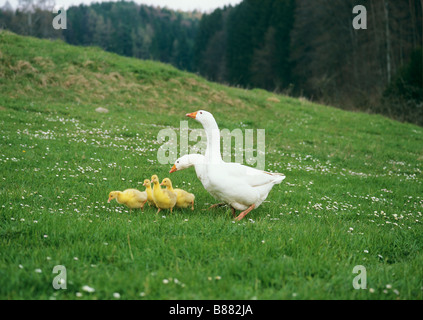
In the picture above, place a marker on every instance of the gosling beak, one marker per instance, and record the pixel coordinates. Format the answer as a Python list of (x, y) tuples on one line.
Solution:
[(173, 169), (192, 115), (108, 201), (162, 184)]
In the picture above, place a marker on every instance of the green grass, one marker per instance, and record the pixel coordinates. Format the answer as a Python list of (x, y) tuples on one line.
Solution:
[(352, 196)]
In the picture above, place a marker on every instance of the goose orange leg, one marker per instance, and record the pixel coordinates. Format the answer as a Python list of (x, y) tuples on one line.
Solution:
[(244, 213)]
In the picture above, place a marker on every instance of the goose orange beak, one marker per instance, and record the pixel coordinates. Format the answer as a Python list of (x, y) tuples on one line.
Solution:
[(173, 169), (108, 201), (192, 114)]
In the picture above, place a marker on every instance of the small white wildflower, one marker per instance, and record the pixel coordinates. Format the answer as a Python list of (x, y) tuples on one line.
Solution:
[(116, 295), (88, 289), (366, 251), (371, 290), (38, 270), (165, 281), (78, 294), (388, 286)]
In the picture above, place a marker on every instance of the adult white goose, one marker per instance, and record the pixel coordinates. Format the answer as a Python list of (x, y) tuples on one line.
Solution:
[(243, 188)]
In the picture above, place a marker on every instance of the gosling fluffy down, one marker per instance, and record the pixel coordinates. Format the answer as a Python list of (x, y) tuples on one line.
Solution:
[(163, 198), (132, 198), (184, 199)]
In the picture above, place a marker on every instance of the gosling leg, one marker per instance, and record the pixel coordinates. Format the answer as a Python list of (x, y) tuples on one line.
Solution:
[(142, 205)]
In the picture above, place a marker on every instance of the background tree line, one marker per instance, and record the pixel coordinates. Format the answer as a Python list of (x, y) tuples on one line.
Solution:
[(125, 28), (297, 47)]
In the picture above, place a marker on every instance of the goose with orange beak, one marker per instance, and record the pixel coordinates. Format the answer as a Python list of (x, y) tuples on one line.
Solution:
[(242, 187)]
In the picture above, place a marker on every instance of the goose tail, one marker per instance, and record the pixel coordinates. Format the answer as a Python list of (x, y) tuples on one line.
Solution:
[(279, 177)]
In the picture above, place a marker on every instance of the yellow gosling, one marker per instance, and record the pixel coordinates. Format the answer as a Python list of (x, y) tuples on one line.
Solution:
[(150, 200), (132, 198), (163, 198), (184, 199)]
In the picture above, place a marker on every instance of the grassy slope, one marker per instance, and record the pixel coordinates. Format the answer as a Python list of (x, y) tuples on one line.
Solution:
[(352, 196)]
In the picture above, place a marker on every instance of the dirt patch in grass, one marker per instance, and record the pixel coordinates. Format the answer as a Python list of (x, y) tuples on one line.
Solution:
[(44, 63), (23, 66)]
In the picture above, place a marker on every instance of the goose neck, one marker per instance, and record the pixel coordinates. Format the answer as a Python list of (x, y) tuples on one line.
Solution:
[(213, 144)]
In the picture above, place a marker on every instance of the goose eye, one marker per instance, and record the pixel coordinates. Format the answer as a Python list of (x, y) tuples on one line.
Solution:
[(201, 112)]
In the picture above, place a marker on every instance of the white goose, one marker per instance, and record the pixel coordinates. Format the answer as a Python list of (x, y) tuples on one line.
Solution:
[(243, 188)]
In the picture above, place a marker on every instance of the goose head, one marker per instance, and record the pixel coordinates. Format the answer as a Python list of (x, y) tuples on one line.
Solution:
[(181, 164), (146, 183), (204, 117)]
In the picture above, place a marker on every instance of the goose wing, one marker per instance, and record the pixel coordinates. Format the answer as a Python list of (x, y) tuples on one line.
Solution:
[(251, 176)]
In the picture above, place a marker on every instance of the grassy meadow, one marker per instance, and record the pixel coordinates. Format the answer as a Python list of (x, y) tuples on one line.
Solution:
[(353, 192)]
